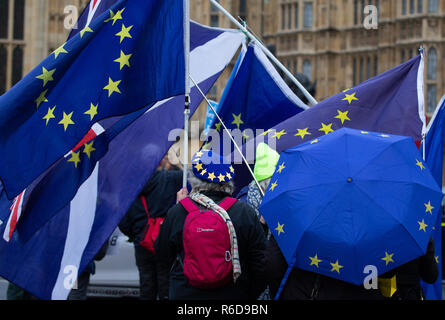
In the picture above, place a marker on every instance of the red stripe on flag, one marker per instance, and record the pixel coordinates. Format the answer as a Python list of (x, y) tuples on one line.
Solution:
[(88, 137), (94, 3), (14, 214)]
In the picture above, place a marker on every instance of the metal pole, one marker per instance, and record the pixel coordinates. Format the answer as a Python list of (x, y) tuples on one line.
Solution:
[(230, 135), (266, 51), (187, 88)]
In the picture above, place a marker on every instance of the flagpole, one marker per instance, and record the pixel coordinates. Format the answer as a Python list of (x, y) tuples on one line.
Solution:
[(187, 88), (310, 98), (230, 135)]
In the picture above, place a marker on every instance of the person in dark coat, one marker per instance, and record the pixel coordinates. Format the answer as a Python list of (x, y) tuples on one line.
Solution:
[(160, 194), (306, 285), (249, 233), (408, 276)]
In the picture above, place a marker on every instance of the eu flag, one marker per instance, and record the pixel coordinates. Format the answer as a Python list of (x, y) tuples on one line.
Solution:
[(126, 59)]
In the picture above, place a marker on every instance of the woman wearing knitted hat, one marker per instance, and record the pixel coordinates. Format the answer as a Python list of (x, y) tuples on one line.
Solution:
[(213, 243)]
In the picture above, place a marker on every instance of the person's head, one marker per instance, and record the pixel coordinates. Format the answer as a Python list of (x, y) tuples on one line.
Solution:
[(211, 172), (266, 161)]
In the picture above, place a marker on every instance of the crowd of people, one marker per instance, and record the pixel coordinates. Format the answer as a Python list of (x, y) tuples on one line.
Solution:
[(184, 264)]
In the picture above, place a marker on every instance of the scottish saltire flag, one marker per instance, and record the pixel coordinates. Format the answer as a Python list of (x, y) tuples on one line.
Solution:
[(73, 236), (257, 98), (123, 61), (434, 149)]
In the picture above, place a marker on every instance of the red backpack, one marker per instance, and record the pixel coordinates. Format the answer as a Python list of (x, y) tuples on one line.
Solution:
[(152, 229), (208, 260)]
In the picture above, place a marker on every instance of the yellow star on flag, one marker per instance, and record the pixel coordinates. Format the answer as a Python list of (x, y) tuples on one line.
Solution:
[(41, 99), (422, 225), (112, 86), (86, 29), (198, 166), (350, 97), (437, 259), (124, 33), (279, 134), (429, 207), (364, 132), (218, 126), (326, 128), (88, 149), (92, 112), (302, 133), (266, 132), (420, 164), (336, 267), (111, 16), (384, 136), (117, 16), (281, 168), (49, 115), (199, 154), (221, 178), (66, 120), (343, 116), (273, 186), (237, 120), (75, 157), (388, 258), (212, 176), (315, 261), (60, 50), (279, 228), (46, 76), (123, 60)]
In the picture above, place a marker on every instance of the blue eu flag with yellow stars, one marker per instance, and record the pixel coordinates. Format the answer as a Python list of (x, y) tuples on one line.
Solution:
[(127, 58)]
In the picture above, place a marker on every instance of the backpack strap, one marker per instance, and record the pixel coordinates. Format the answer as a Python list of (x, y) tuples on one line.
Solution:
[(227, 203), (188, 205), (144, 203)]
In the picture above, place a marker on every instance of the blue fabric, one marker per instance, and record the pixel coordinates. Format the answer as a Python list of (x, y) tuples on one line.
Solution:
[(434, 149), (85, 73), (350, 199)]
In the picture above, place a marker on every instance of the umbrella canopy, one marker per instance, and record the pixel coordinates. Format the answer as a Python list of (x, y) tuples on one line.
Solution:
[(351, 199)]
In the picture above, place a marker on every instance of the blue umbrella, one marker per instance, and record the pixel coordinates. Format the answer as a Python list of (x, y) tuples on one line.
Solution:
[(351, 199)]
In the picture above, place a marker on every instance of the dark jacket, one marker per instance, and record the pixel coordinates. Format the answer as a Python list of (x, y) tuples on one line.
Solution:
[(251, 244), (306, 285), (408, 276), (160, 194)]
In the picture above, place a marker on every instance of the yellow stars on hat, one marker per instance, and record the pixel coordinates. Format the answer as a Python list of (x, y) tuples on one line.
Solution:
[(124, 33), (49, 115), (117, 16), (92, 112), (203, 172), (66, 120), (229, 176), (422, 225), (336, 267), (279, 134), (123, 60), (315, 261), (75, 158), (231, 169), (41, 99), (280, 229), (113, 86), (212, 176), (302, 133), (221, 178), (350, 97), (281, 168), (198, 166), (237, 120), (46, 76), (343, 116), (59, 51), (326, 128), (420, 164), (273, 186), (428, 207), (88, 149), (86, 29), (388, 258)]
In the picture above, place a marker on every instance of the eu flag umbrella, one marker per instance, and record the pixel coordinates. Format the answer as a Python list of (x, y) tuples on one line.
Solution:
[(351, 199)]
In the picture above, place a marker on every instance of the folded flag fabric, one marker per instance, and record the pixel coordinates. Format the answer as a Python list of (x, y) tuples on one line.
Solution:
[(71, 237), (123, 61)]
